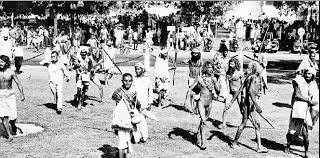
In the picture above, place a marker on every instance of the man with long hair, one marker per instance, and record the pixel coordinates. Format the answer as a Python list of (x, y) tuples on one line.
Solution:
[(220, 63), (235, 78), (250, 107), (8, 107), (206, 85)]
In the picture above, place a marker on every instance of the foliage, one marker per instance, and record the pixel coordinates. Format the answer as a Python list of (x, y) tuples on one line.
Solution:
[(40, 7), (299, 7), (213, 8)]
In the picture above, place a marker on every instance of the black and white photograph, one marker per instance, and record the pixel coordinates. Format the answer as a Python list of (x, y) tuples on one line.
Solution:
[(159, 79)]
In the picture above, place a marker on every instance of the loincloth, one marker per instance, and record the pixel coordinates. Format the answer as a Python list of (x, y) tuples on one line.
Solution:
[(8, 105)]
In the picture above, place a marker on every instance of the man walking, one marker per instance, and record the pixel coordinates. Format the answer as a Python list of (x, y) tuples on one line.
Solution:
[(195, 65), (57, 72), (143, 87), (122, 122), (8, 107), (18, 56), (250, 107)]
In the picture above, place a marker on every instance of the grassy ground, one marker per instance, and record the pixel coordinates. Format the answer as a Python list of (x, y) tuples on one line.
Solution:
[(82, 133)]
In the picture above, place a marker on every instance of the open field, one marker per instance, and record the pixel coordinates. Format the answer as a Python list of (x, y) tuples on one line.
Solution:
[(83, 133)]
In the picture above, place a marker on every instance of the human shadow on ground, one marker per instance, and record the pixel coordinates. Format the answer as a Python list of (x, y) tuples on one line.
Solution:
[(93, 98), (109, 151), (178, 107), (273, 145), (49, 105), (221, 136), (74, 103), (270, 144), (185, 134), (225, 138), (278, 104), (216, 123)]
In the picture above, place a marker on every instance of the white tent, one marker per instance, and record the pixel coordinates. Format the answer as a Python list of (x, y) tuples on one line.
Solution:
[(161, 10), (245, 10)]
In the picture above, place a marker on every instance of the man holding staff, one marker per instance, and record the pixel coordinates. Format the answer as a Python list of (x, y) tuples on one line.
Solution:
[(250, 107)]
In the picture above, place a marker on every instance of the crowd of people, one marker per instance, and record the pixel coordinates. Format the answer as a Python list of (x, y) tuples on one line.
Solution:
[(273, 28), (90, 54)]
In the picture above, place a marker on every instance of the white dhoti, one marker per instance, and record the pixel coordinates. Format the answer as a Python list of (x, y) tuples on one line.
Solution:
[(8, 105), (140, 130), (56, 88), (121, 122), (222, 84), (147, 60), (299, 109)]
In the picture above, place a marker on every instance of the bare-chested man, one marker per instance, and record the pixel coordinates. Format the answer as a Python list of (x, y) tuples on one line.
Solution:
[(195, 64), (205, 85), (253, 87), (235, 79), (8, 108)]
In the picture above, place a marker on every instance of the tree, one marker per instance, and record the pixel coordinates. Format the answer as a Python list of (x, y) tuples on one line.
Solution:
[(194, 9), (300, 7), (54, 7)]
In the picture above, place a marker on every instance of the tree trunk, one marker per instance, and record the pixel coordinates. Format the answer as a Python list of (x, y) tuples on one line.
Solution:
[(55, 24), (72, 28)]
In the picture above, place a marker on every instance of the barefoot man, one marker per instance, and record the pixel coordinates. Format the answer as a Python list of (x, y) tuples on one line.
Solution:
[(8, 108), (162, 78), (195, 64), (253, 89), (235, 79), (305, 109), (143, 87), (206, 84), (122, 122)]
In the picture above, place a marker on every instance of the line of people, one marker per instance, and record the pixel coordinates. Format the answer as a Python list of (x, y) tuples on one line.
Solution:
[(222, 80)]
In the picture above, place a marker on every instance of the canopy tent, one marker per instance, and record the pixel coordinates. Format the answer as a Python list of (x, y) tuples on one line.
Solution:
[(252, 10), (255, 10), (161, 11)]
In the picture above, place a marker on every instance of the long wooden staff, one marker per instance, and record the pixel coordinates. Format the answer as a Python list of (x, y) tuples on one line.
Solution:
[(242, 84), (108, 56), (264, 37), (175, 65)]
